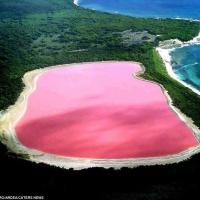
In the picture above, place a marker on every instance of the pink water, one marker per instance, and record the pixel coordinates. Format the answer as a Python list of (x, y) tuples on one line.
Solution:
[(100, 110)]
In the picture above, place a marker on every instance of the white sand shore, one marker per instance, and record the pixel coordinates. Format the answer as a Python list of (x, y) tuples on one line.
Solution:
[(166, 57), (76, 2), (187, 19), (10, 118)]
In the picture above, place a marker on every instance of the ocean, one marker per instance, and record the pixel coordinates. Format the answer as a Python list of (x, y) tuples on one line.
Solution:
[(147, 8), (186, 64), (185, 60)]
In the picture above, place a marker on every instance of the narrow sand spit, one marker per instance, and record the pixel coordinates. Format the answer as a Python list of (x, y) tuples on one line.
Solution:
[(11, 117), (165, 48)]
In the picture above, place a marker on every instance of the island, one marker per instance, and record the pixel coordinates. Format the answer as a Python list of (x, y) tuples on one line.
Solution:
[(123, 65)]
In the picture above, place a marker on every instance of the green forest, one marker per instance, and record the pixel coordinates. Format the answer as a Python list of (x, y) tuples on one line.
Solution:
[(41, 33), (36, 34)]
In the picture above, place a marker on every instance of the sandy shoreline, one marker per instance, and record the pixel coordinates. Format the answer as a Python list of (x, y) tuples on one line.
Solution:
[(165, 52), (9, 119)]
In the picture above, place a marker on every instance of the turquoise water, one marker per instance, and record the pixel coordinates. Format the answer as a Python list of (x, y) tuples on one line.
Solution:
[(186, 64), (186, 60)]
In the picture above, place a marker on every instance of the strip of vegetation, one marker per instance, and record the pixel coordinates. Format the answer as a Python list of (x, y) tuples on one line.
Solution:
[(183, 98)]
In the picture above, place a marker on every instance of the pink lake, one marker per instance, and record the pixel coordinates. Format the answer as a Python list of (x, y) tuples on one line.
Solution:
[(100, 110)]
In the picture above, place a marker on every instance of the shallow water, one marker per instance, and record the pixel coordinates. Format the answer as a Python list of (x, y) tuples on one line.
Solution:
[(186, 64)]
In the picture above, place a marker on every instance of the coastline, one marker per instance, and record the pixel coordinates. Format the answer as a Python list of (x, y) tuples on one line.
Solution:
[(9, 119), (76, 2), (164, 49), (165, 52)]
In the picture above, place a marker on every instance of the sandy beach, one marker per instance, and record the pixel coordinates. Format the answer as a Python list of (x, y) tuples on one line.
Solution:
[(165, 50), (9, 119)]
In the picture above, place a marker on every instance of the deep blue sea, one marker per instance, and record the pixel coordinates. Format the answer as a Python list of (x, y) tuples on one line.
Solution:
[(148, 8), (186, 60)]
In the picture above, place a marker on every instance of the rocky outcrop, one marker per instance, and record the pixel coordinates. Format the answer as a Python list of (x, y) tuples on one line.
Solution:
[(169, 44), (130, 38)]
